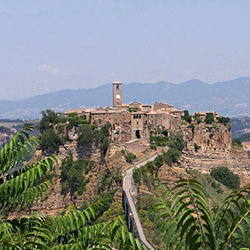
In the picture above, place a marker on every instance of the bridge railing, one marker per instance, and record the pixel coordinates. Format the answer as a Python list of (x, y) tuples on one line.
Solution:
[(131, 214), (130, 209)]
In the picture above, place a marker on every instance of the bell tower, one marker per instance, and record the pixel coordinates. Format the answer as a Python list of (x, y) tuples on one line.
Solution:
[(117, 94)]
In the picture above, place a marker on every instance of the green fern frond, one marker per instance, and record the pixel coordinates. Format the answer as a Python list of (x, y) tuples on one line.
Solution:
[(185, 217)]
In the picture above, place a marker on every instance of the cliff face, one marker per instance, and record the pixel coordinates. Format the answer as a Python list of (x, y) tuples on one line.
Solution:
[(214, 150), (208, 137), (237, 160), (103, 175)]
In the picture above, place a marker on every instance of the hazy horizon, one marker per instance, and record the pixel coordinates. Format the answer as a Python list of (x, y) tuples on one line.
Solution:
[(52, 45), (175, 83)]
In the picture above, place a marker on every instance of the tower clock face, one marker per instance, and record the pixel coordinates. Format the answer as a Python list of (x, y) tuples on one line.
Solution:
[(117, 96)]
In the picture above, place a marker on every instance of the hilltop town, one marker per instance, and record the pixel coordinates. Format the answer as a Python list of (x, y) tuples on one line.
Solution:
[(105, 152), (134, 123)]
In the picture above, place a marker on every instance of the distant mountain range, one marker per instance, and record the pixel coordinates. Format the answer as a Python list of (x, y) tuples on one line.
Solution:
[(230, 98)]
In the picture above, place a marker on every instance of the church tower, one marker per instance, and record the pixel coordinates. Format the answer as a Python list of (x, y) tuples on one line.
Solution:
[(117, 94)]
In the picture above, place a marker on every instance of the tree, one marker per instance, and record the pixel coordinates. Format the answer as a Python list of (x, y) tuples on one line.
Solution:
[(187, 219), (85, 135), (223, 120), (209, 118), (49, 118), (103, 139), (50, 141), (237, 142), (21, 185), (187, 117), (173, 154), (72, 178), (226, 177), (197, 118), (129, 157)]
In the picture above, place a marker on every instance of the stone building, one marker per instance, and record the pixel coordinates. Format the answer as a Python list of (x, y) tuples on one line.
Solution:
[(135, 120)]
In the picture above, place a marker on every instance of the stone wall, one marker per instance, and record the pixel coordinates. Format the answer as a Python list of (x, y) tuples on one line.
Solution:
[(136, 146)]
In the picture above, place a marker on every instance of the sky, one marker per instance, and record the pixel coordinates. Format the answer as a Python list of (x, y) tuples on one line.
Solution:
[(48, 45)]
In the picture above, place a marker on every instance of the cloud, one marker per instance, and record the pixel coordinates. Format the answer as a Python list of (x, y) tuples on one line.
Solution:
[(52, 69), (240, 105)]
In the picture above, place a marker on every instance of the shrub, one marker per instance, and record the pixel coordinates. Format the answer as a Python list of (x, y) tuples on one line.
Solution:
[(184, 123), (102, 138), (226, 177), (159, 160), (86, 135), (176, 142), (160, 141), (129, 157), (167, 159), (75, 120), (50, 141), (187, 117), (132, 109), (153, 146), (192, 127), (196, 147), (149, 165), (223, 120), (72, 178), (217, 187), (237, 142), (209, 118), (49, 118), (137, 175), (197, 118), (174, 154), (105, 179)]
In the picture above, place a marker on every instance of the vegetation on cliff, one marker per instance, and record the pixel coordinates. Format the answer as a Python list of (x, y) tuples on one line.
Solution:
[(226, 177), (149, 171), (129, 157), (72, 175)]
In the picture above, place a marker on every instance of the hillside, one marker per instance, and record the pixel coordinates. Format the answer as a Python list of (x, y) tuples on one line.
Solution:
[(240, 126), (229, 98)]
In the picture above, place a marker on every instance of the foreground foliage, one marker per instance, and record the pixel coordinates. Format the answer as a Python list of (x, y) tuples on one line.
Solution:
[(188, 220), (21, 185)]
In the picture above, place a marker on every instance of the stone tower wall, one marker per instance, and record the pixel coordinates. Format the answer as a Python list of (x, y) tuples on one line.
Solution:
[(117, 94)]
